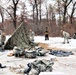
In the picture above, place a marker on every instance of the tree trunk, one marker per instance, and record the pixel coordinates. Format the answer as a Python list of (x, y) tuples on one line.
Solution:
[(64, 15), (33, 12), (40, 10), (14, 14), (73, 10)]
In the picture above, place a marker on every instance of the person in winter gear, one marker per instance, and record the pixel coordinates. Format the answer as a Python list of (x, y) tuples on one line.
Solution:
[(74, 36), (66, 36), (46, 34), (31, 35), (3, 38)]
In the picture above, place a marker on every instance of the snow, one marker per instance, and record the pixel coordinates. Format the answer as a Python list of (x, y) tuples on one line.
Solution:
[(57, 43), (62, 65), (51, 73)]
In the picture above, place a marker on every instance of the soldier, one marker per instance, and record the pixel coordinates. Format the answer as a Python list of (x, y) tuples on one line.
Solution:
[(3, 38), (31, 35), (66, 36), (74, 36), (0, 38), (46, 34)]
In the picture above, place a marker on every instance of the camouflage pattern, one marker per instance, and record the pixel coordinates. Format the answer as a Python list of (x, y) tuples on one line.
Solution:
[(0, 38), (3, 38)]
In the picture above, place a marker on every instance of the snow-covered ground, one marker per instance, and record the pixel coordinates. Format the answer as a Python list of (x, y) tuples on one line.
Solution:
[(57, 43), (63, 65)]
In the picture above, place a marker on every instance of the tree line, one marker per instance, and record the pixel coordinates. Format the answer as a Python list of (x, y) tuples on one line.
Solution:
[(57, 14)]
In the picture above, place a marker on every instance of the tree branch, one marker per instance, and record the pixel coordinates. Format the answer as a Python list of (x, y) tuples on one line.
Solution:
[(69, 2), (7, 12)]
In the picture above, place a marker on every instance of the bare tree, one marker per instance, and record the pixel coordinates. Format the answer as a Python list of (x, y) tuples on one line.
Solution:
[(51, 12), (2, 12), (24, 13), (12, 9), (65, 5), (40, 9), (15, 2), (59, 11), (32, 3), (36, 6), (72, 13), (47, 10)]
